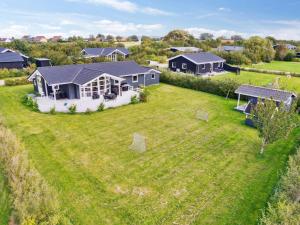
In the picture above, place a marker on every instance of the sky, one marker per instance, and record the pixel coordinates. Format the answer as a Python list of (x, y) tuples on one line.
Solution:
[(153, 18)]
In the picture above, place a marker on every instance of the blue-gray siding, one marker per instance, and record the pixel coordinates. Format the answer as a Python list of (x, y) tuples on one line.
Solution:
[(11, 65)]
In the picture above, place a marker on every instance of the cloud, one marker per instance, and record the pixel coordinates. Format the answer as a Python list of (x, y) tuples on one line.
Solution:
[(196, 31), (49, 27), (223, 9), (126, 6), (117, 27), (206, 15), (282, 29)]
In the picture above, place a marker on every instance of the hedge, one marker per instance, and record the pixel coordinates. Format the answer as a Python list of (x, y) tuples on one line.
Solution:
[(34, 201), (16, 81), (270, 72), (8, 73), (224, 88)]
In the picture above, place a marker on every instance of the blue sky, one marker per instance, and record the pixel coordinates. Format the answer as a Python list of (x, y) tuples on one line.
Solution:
[(154, 18)]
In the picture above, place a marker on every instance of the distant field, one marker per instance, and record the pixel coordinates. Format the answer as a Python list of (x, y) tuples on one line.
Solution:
[(4, 202), (279, 65), (292, 84), (193, 172), (129, 44)]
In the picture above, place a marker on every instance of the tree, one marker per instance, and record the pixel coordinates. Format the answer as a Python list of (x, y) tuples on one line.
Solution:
[(281, 52), (259, 49), (119, 38), (177, 35), (206, 36), (110, 38), (101, 37), (133, 38), (236, 37), (272, 39), (273, 122)]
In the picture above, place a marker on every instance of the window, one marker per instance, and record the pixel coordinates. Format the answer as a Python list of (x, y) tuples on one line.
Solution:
[(173, 64), (152, 76), (202, 66), (184, 66), (134, 79), (116, 82)]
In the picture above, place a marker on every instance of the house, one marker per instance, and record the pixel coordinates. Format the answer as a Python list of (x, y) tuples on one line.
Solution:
[(42, 62), (56, 38), (6, 40), (288, 46), (202, 63), (231, 48), (185, 49), (26, 38), (88, 85), (109, 53), (254, 93), (40, 39), (297, 54), (11, 59)]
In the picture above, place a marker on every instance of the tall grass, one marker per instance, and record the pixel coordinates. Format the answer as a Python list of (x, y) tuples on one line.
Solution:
[(34, 202)]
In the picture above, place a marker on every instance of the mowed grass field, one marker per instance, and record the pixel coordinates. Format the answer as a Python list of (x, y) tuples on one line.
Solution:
[(261, 79), (193, 172), (280, 66)]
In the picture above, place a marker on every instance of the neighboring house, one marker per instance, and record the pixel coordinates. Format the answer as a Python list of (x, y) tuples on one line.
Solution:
[(6, 40), (109, 53), (55, 38), (202, 63), (185, 49), (40, 39), (254, 93), (42, 62), (229, 48), (288, 46), (11, 59), (26, 38)]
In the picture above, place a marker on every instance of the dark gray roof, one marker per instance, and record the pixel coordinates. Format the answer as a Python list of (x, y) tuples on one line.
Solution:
[(202, 57), (265, 93), (2, 49), (11, 57), (104, 51), (82, 73), (233, 48)]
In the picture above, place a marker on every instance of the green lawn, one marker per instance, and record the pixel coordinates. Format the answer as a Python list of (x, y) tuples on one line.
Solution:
[(280, 66), (292, 84), (193, 172), (4, 201)]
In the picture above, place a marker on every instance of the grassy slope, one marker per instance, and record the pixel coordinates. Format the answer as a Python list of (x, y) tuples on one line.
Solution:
[(192, 173), (4, 201), (292, 84), (280, 66)]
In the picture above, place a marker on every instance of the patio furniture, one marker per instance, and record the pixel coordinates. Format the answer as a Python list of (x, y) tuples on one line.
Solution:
[(111, 96), (95, 96)]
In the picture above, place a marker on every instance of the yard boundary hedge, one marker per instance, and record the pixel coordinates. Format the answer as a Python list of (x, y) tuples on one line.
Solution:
[(16, 81), (34, 201), (276, 72)]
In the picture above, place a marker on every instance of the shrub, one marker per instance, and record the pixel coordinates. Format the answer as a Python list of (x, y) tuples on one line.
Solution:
[(31, 103), (34, 202), (16, 81), (134, 100), (52, 110), (218, 87), (72, 109), (101, 107), (144, 94)]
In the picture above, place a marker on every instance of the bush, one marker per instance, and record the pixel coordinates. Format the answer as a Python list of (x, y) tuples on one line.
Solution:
[(72, 109), (101, 107), (52, 110), (31, 103), (16, 81), (218, 87), (144, 94), (34, 202), (134, 100), (285, 205)]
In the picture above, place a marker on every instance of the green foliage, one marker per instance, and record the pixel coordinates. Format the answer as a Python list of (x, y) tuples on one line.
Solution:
[(218, 87), (73, 108), (144, 95), (101, 107), (284, 207), (34, 202), (290, 56), (31, 103), (53, 111), (258, 49), (273, 122), (234, 58), (134, 99), (16, 81)]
